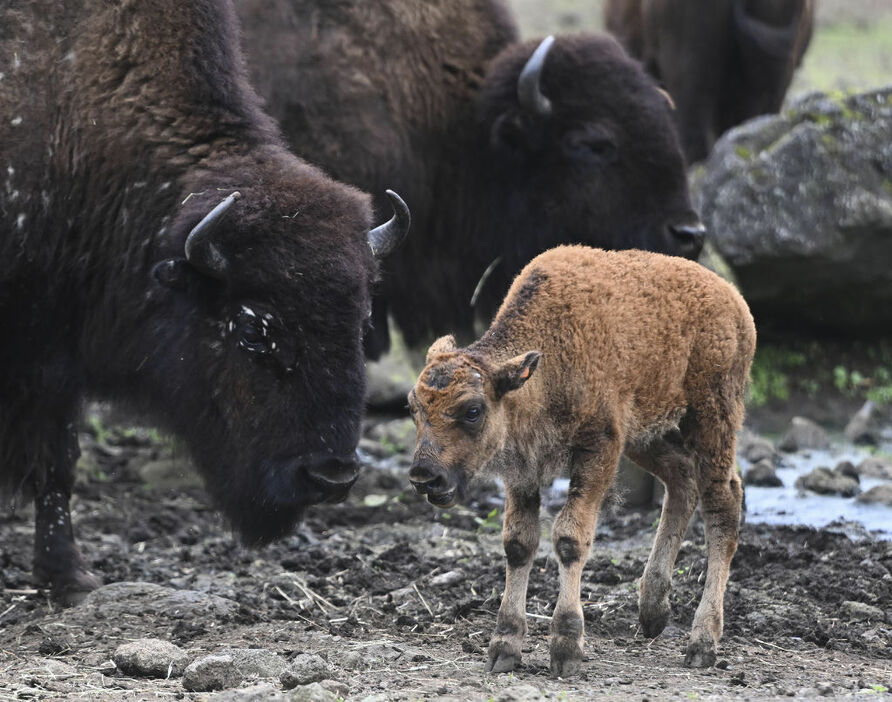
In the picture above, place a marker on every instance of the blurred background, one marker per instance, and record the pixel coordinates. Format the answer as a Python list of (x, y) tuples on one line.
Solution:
[(851, 48)]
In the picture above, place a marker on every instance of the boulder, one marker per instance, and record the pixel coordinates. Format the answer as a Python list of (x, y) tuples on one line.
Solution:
[(211, 673), (755, 448), (800, 206), (874, 467), (861, 428)]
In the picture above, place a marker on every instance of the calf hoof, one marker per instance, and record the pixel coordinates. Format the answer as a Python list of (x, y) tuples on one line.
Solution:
[(502, 656), (700, 654), (653, 618), (566, 657)]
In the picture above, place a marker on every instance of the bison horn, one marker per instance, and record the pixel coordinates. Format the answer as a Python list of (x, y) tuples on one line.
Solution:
[(386, 237), (529, 88), (201, 252)]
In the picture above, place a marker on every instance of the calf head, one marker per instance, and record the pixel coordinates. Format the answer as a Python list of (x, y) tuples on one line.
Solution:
[(253, 346), (460, 416), (585, 146)]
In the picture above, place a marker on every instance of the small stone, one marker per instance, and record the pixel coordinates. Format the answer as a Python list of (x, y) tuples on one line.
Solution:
[(824, 481), (825, 689), (314, 692), (803, 434), (847, 468), (860, 612), (151, 658), (264, 692), (859, 429), (306, 668), (755, 448), (448, 578), (519, 692), (762, 474), (211, 673), (877, 495), (337, 687), (353, 660), (256, 662), (873, 467)]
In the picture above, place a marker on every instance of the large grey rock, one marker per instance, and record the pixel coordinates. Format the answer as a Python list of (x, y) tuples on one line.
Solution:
[(800, 206), (125, 600), (762, 474), (256, 662), (151, 658), (874, 467)]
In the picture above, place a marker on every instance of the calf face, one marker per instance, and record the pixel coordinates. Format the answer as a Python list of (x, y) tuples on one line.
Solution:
[(458, 409)]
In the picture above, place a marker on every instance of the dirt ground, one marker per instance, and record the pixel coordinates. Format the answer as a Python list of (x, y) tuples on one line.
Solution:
[(400, 598)]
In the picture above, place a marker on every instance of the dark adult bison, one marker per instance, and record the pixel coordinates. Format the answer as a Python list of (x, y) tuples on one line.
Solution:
[(500, 152), (723, 61), (160, 246)]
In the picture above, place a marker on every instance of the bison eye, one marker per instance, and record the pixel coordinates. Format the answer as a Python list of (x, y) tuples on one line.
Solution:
[(592, 145), (251, 331)]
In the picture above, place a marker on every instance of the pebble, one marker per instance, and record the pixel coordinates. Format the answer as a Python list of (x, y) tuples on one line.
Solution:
[(304, 669), (313, 692), (211, 673), (151, 658), (451, 577)]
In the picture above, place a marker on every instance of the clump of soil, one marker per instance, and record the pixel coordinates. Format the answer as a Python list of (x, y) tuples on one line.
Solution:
[(400, 598)]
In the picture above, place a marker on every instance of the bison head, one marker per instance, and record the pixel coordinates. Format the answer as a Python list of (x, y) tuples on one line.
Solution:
[(252, 338), (460, 417), (582, 144)]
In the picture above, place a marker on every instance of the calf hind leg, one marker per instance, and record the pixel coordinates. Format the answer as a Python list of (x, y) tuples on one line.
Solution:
[(720, 495), (667, 459)]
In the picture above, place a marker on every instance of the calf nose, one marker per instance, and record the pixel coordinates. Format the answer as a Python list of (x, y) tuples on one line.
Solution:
[(334, 475), (427, 478), (690, 237)]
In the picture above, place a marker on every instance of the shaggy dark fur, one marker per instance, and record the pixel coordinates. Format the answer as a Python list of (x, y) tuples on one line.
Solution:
[(124, 124), (422, 97), (723, 61)]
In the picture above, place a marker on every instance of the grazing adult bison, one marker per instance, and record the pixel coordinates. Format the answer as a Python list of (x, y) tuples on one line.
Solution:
[(723, 61), (160, 246), (502, 149)]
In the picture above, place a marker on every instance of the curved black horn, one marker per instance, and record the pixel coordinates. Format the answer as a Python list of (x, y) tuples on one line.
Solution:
[(200, 250), (529, 88), (386, 237)]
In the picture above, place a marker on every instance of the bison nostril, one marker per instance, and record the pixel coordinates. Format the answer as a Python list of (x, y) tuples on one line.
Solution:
[(692, 234)]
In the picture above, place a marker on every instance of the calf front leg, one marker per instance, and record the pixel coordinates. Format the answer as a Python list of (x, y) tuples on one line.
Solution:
[(574, 529), (520, 536), (57, 560)]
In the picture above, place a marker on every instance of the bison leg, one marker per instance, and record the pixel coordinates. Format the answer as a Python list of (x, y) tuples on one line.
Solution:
[(721, 496), (520, 536), (574, 529), (57, 560), (675, 468)]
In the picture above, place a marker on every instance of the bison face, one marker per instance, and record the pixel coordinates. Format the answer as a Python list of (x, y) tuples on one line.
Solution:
[(254, 341), (460, 417), (584, 146)]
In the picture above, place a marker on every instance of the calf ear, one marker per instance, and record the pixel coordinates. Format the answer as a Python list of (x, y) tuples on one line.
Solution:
[(514, 373), (444, 344)]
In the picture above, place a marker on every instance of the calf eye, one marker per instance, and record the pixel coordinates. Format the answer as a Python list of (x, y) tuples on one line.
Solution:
[(472, 414)]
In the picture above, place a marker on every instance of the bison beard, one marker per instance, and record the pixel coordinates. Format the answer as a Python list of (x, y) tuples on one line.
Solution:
[(429, 96), (160, 247)]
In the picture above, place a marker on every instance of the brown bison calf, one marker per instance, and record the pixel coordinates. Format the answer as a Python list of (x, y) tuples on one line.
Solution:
[(636, 352)]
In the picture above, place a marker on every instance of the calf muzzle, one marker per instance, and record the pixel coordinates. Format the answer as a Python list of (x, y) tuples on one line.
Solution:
[(434, 482)]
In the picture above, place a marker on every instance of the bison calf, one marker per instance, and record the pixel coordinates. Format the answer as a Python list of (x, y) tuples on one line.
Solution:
[(636, 352)]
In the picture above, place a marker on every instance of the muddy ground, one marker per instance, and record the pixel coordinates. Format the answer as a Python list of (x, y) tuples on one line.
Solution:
[(400, 598)]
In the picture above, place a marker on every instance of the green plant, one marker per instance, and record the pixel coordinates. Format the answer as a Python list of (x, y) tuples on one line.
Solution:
[(491, 521)]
